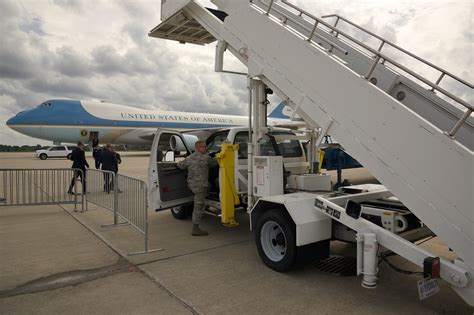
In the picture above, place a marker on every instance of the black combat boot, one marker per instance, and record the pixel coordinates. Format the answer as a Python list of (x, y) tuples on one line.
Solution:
[(197, 231)]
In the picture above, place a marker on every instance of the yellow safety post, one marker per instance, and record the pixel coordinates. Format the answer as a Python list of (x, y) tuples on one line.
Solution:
[(321, 158), (228, 193)]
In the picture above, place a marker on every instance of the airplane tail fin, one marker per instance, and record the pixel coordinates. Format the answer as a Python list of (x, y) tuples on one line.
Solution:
[(279, 111)]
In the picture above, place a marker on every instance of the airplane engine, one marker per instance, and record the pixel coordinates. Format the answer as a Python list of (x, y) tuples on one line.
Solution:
[(176, 143)]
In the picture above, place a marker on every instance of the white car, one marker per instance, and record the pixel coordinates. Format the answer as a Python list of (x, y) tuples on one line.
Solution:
[(56, 151)]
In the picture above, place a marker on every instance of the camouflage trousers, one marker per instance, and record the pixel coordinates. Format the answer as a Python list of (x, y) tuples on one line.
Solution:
[(198, 209)]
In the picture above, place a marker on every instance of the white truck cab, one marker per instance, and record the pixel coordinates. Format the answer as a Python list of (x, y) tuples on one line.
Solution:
[(167, 183)]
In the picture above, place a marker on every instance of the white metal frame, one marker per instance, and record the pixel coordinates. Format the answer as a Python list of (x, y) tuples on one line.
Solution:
[(371, 124)]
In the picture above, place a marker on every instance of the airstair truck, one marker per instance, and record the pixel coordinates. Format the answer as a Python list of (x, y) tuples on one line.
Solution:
[(398, 124)]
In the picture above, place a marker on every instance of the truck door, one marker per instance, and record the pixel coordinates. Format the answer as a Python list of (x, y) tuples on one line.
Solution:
[(166, 182)]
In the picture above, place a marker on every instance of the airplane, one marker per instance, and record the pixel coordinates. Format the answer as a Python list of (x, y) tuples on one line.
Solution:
[(68, 121)]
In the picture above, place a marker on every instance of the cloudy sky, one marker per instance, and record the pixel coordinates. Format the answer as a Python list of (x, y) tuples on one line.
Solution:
[(100, 50)]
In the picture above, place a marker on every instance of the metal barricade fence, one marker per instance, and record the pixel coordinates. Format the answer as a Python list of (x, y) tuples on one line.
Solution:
[(21, 187), (125, 196), (100, 188)]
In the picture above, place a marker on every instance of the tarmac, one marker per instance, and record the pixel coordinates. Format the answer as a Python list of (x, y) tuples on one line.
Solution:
[(57, 261)]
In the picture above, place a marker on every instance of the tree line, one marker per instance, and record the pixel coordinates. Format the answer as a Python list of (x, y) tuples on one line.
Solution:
[(18, 148), (33, 148)]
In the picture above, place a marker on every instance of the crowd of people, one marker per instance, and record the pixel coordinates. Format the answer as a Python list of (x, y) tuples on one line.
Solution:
[(105, 158)]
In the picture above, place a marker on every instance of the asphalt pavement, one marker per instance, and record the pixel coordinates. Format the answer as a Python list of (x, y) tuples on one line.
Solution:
[(58, 261)]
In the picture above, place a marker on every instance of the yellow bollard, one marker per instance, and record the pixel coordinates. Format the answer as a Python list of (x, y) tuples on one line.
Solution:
[(321, 158), (228, 192)]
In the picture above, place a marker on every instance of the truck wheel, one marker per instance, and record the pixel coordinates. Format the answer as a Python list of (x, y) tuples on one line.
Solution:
[(275, 237), (182, 212), (43, 156), (276, 241)]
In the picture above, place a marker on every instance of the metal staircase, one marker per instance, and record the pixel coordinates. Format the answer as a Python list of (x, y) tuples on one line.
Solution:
[(413, 135)]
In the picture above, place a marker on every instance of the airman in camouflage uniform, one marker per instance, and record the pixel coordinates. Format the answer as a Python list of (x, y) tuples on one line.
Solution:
[(198, 165)]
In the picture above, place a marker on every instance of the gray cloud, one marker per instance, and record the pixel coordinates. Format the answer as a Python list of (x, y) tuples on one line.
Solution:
[(69, 4), (34, 25), (105, 53), (10, 62), (71, 63), (59, 86), (108, 61), (9, 10)]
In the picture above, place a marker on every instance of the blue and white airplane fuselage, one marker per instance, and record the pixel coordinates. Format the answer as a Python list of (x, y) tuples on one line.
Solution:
[(69, 121)]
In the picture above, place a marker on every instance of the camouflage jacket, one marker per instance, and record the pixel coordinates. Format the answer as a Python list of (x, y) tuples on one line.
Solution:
[(197, 165)]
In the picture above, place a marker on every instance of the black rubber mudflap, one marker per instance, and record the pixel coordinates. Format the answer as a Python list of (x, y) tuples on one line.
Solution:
[(336, 265)]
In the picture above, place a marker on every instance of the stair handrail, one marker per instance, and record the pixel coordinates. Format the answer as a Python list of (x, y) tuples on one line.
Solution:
[(378, 55), (384, 41)]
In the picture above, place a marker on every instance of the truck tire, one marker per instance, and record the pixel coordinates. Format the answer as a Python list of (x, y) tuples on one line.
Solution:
[(43, 156), (275, 237), (182, 212), (276, 241)]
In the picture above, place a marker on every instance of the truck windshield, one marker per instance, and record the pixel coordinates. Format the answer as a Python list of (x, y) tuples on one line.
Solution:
[(290, 148), (287, 148), (214, 143)]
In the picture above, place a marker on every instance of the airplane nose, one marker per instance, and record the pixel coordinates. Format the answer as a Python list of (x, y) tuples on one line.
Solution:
[(11, 122), (15, 120)]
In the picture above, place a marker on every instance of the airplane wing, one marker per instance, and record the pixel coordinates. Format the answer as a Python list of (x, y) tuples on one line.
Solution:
[(200, 133), (203, 133)]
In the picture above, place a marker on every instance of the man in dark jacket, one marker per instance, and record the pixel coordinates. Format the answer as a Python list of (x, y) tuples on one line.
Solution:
[(96, 149), (79, 161), (119, 159), (108, 159)]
